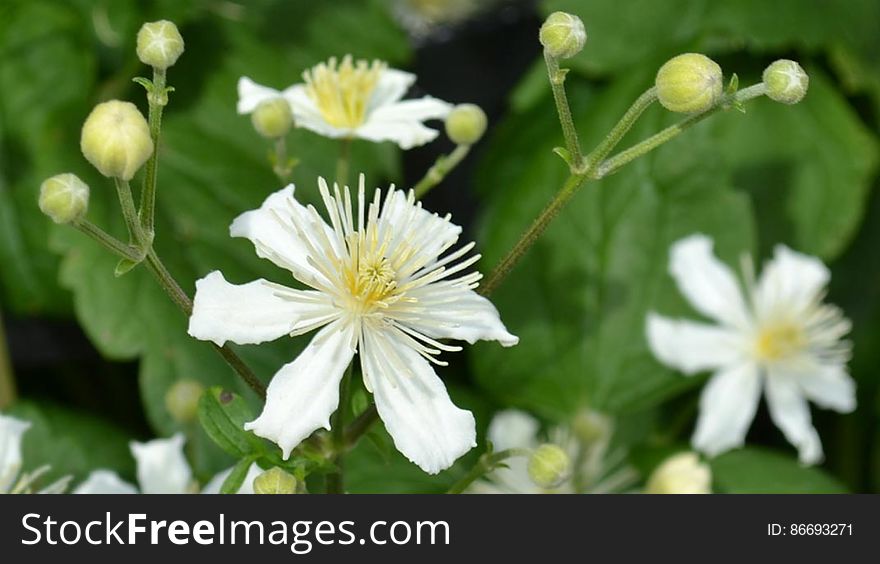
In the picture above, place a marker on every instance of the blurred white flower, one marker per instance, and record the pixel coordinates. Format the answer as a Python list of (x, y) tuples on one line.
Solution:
[(11, 481), (382, 287), (353, 99), (777, 335), (161, 469), (681, 473)]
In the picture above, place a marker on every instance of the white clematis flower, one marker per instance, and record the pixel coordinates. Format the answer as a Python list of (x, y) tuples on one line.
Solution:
[(681, 473), (353, 99), (12, 431), (381, 286), (161, 469), (778, 336)]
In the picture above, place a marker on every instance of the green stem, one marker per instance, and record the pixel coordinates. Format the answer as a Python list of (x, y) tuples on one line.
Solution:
[(182, 300), (557, 84), (336, 478), (621, 128), (7, 376), (110, 242), (612, 165), (342, 163), (439, 170), (535, 230), (157, 100), (360, 425), (129, 213), (281, 168), (487, 463)]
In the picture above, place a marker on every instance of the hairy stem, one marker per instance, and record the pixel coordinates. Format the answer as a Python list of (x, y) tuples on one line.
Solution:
[(557, 84), (336, 478), (439, 170), (157, 100), (487, 463)]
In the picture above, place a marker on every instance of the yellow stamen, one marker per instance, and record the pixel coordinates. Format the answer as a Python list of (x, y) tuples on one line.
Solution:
[(342, 92), (779, 340)]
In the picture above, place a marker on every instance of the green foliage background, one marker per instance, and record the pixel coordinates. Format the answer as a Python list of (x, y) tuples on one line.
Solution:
[(800, 175)]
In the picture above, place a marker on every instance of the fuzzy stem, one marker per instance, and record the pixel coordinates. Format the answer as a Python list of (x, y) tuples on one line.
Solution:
[(336, 478), (157, 99), (439, 170), (557, 84)]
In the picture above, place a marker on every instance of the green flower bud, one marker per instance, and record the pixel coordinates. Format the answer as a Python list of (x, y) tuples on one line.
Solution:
[(549, 466), (182, 400), (159, 44), (466, 124), (116, 139), (275, 481), (273, 118), (563, 35), (591, 427), (689, 83), (786, 81), (64, 197), (682, 473)]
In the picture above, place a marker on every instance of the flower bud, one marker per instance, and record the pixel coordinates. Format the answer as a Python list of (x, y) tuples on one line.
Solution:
[(682, 473), (563, 35), (159, 44), (182, 400), (549, 466), (116, 139), (272, 118), (64, 197), (591, 426), (275, 481), (689, 83), (786, 81), (466, 124)]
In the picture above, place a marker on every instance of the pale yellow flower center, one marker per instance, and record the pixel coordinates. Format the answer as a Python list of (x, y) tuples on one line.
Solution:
[(342, 92), (369, 276), (779, 340)]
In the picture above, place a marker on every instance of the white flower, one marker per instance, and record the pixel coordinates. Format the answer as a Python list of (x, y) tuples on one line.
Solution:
[(681, 473), (161, 469), (382, 287), (777, 335), (353, 99), (11, 432)]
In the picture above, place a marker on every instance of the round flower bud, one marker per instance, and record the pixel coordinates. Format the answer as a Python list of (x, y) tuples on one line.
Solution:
[(591, 426), (116, 139), (465, 124), (682, 473), (182, 400), (159, 44), (64, 197), (563, 35), (275, 481), (549, 466), (689, 83), (273, 118), (786, 81)]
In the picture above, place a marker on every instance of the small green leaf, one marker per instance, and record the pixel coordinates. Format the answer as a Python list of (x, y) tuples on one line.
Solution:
[(123, 267), (233, 482), (145, 82), (223, 415)]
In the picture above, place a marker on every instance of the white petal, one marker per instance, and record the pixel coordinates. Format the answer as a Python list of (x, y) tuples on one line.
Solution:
[(304, 393), (727, 407), (390, 88), (413, 403), (161, 466), (401, 122), (829, 387), (691, 347), (707, 283), (406, 222), (791, 280), (513, 429), (445, 311), (247, 486), (307, 115), (250, 313), (251, 95), (271, 229), (104, 482), (11, 432), (791, 413)]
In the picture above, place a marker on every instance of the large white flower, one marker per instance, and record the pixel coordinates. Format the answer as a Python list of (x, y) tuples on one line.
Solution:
[(778, 336), (161, 469), (353, 99), (11, 432), (383, 285)]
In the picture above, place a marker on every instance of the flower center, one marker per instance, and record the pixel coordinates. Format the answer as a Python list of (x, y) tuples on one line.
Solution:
[(779, 340), (342, 92)]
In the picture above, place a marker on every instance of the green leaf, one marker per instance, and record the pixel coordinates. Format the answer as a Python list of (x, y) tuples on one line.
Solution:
[(223, 415), (601, 266), (761, 471), (236, 477)]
